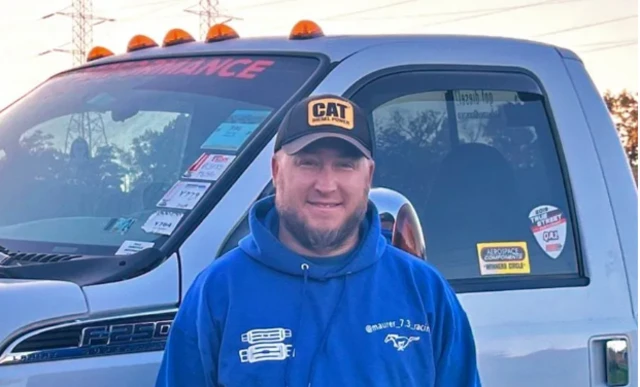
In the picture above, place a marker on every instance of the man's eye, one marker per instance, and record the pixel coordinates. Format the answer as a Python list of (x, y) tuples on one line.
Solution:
[(346, 165)]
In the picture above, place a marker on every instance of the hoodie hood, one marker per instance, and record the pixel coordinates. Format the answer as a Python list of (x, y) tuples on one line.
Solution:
[(262, 245)]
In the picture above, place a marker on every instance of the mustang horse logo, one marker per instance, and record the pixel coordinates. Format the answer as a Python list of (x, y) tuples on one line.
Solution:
[(400, 342)]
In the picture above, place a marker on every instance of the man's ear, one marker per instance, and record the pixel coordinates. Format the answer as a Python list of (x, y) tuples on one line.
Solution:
[(372, 170), (275, 168)]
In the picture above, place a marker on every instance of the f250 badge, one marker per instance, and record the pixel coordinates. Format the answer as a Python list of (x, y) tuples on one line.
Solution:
[(125, 333)]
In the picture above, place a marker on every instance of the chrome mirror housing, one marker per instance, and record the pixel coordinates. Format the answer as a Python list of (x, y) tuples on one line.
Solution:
[(400, 222)]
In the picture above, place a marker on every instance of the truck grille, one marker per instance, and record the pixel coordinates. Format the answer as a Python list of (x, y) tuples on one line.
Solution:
[(59, 338)]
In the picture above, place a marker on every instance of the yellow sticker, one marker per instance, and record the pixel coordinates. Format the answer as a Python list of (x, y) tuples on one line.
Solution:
[(503, 258), (330, 111)]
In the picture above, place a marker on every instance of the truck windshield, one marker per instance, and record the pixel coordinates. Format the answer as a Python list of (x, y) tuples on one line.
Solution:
[(109, 159)]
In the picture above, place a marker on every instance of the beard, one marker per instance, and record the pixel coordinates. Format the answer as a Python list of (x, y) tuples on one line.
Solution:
[(320, 240)]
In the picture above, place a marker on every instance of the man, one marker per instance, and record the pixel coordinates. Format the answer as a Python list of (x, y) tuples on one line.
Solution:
[(386, 225), (315, 295)]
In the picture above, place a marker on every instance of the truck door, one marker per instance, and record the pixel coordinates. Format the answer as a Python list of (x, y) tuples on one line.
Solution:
[(496, 157)]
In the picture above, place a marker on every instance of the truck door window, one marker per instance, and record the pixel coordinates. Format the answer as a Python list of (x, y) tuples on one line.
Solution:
[(476, 155)]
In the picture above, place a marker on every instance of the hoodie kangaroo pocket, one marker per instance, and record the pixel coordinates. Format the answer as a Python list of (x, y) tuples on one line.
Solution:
[(262, 374)]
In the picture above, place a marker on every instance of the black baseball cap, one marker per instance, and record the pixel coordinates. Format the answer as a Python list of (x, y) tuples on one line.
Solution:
[(325, 116)]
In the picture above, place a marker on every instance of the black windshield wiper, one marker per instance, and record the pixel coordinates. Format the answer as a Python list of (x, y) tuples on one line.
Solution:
[(4, 255), (83, 270)]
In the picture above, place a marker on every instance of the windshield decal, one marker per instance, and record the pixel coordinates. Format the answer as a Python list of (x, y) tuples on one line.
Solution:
[(162, 222), (208, 167), (241, 68), (132, 247), (184, 195), (119, 225), (231, 134)]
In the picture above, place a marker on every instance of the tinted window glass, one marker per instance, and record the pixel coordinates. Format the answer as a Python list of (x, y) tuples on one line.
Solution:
[(481, 168), (91, 159)]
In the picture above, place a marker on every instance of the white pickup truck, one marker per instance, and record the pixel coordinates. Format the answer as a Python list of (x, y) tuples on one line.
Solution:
[(124, 178)]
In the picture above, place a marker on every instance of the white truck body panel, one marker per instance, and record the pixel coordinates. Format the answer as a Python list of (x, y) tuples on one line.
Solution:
[(142, 293)]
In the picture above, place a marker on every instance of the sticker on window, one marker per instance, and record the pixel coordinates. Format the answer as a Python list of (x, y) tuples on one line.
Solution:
[(183, 195), (239, 68), (119, 225), (235, 130), (132, 247), (162, 222), (475, 104), (503, 258), (208, 167), (549, 226)]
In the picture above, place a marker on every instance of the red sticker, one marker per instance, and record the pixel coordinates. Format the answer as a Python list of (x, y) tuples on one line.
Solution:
[(241, 68), (549, 226), (208, 167)]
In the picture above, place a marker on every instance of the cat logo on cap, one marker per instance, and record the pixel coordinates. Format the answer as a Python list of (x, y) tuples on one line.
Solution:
[(330, 111)]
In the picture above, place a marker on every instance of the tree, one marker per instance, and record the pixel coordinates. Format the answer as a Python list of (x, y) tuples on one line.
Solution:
[(421, 139), (40, 171), (154, 152), (624, 110)]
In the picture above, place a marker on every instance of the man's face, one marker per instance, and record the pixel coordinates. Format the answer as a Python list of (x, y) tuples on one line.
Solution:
[(322, 192)]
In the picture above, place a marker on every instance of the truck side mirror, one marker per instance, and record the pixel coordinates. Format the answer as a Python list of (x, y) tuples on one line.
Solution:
[(400, 221), (407, 232)]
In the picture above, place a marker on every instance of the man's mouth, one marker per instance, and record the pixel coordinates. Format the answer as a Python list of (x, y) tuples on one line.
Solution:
[(324, 205)]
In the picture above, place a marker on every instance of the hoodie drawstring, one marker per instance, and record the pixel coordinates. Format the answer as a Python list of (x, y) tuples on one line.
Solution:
[(327, 329), (305, 270)]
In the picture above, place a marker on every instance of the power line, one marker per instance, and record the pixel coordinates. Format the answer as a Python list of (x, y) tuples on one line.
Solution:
[(435, 14), (146, 13), (209, 13), (145, 5), (606, 43), (152, 3), (166, 4), (474, 12), (611, 46), (18, 24), (265, 4), (84, 129), (585, 26), (370, 9), (503, 10), (83, 20), (376, 8)]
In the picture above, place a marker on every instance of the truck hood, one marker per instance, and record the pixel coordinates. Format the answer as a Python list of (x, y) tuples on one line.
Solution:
[(30, 304)]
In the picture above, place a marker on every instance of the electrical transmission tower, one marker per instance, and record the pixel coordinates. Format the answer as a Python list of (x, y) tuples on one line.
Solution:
[(209, 12), (83, 21), (87, 126)]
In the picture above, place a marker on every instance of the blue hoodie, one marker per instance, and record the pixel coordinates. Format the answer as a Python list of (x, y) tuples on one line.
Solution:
[(264, 316)]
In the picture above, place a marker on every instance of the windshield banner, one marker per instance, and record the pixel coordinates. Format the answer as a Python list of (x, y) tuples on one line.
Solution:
[(241, 68)]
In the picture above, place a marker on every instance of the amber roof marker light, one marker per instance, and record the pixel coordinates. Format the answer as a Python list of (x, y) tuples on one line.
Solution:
[(98, 52), (220, 32), (306, 29), (177, 36), (140, 42)]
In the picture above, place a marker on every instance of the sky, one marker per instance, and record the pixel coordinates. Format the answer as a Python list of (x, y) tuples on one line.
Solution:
[(603, 32)]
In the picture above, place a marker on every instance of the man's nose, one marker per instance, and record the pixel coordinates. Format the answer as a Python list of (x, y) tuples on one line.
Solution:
[(326, 181)]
